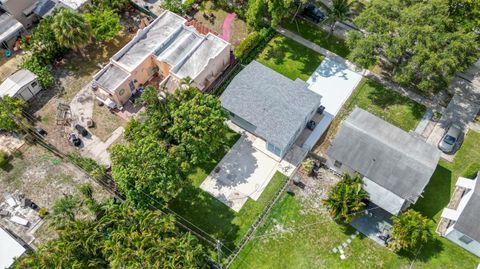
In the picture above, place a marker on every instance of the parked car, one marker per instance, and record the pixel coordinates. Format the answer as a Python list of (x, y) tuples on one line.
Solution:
[(74, 140), (81, 130), (313, 13), (451, 139)]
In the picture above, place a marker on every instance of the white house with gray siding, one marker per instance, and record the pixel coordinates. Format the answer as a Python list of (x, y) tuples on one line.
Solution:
[(270, 106), (22, 84), (395, 165), (460, 220)]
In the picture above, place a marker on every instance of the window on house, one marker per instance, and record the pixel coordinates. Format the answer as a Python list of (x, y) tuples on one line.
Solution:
[(465, 239), (337, 164), (34, 84)]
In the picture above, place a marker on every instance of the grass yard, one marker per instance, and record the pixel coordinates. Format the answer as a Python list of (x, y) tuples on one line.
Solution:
[(380, 101), (318, 36), (290, 58), (387, 104), (214, 217)]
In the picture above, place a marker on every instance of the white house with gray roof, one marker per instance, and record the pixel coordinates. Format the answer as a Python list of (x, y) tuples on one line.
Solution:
[(270, 105), (395, 165), (169, 48), (461, 218)]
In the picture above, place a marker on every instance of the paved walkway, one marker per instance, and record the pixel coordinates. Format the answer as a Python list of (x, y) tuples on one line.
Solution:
[(366, 73)]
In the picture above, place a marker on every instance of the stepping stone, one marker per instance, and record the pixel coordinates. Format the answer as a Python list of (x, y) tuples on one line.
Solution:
[(340, 247), (335, 250), (349, 241), (353, 236), (344, 245), (357, 232), (342, 257), (341, 251)]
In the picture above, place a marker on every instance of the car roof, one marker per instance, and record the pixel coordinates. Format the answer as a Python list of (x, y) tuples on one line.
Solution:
[(454, 130)]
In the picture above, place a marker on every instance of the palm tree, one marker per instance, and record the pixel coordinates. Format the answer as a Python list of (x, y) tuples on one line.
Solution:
[(410, 230), (345, 198), (64, 210), (70, 29), (340, 10)]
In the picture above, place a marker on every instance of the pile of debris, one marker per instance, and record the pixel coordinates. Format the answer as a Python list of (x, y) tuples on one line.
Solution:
[(20, 215)]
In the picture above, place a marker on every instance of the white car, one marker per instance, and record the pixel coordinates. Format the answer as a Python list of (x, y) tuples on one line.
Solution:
[(451, 139)]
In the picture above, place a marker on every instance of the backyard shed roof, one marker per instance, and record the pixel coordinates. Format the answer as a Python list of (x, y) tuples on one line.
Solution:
[(468, 220), (9, 249), (15, 82), (385, 154), (275, 104)]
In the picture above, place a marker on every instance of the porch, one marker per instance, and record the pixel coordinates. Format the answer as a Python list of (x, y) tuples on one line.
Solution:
[(375, 224)]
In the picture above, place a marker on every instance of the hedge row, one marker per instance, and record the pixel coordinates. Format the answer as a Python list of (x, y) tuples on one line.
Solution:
[(253, 44)]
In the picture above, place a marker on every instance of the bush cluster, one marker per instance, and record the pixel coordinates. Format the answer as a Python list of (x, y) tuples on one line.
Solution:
[(253, 44)]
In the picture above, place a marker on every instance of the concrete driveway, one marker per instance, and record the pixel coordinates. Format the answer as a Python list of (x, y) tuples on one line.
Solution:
[(461, 110), (243, 173)]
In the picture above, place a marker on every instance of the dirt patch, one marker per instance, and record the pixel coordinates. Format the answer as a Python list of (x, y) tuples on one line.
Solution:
[(315, 191), (105, 122), (43, 178)]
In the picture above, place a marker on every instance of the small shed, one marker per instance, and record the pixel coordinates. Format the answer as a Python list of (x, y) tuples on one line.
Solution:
[(22, 84)]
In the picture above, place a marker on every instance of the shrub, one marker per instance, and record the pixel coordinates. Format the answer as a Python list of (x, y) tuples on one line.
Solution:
[(307, 166), (4, 158), (410, 230), (42, 212), (253, 44), (39, 68), (93, 169)]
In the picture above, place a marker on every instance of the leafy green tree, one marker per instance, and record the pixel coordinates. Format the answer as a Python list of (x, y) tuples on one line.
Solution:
[(345, 198), (38, 66), (116, 5), (146, 172), (70, 29), (105, 24), (148, 239), (339, 11), (198, 123), (43, 44), (64, 210), (275, 9), (10, 105), (421, 43), (410, 230), (4, 159), (119, 237)]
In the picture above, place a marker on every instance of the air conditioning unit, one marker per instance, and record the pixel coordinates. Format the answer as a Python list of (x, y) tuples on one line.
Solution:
[(320, 109)]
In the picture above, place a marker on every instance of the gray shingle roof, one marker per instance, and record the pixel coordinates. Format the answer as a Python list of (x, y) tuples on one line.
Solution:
[(275, 104), (387, 155), (468, 220)]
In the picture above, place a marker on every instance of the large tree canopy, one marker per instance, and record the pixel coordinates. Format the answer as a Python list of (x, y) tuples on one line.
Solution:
[(274, 9), (70, 29), (105, 24), (175, 134), (422, 43), (119, 237)]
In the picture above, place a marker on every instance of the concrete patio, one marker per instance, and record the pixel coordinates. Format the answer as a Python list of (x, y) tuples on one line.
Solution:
[(373, 223), (243, 173)]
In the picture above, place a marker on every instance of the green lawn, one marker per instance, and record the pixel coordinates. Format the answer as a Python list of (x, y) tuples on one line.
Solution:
[(386, 104), (211, 215), (290, 58), (310, 245), (317, 36)]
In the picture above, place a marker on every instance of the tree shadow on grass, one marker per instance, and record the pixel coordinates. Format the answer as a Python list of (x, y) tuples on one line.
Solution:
[(437, 193), (385, 98), (427, 251)]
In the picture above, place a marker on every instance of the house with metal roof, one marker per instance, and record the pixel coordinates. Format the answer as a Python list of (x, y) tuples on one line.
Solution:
[(167, 48), (270, 105), (22, 84), (21, 10), (460, 220), (395, 165)]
